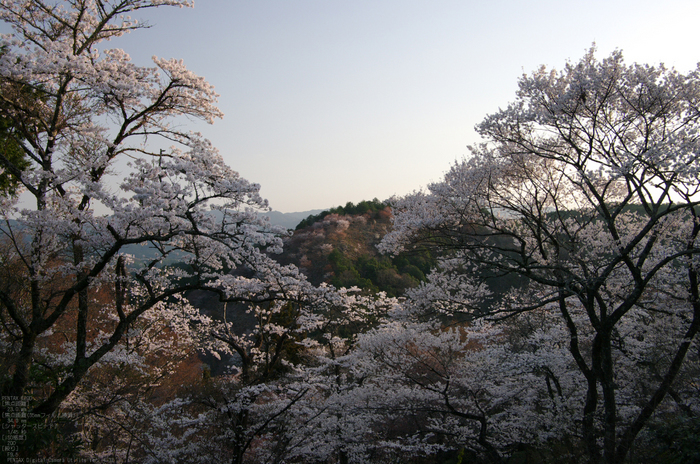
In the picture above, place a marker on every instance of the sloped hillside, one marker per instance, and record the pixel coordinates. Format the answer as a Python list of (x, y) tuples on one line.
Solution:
[(340, 249)]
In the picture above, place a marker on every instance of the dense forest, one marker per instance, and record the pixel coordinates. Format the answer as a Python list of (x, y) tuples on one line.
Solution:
[(539, 304)]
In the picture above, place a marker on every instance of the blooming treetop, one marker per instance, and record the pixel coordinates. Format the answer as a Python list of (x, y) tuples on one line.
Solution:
[(93, 107), (585, 195)]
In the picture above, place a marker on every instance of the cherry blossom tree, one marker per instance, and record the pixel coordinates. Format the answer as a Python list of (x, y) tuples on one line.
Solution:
[(282, 399), (484, 388), (281, 396), (582, 199), (76, 235)]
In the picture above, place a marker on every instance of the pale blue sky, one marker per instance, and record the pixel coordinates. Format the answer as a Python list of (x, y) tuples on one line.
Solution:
[(329, 101)]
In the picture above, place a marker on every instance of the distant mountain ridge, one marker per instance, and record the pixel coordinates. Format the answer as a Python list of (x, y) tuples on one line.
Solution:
[(277, 218), (289, 220)]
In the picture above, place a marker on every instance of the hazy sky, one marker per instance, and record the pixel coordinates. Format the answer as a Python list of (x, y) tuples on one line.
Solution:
[(329, 101)]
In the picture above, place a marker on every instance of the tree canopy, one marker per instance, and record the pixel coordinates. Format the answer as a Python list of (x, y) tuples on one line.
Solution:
[(97, 107), (586, 190), (363, 207)]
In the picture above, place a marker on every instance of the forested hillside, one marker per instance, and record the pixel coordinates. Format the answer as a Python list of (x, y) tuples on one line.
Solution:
[(339, 247)]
